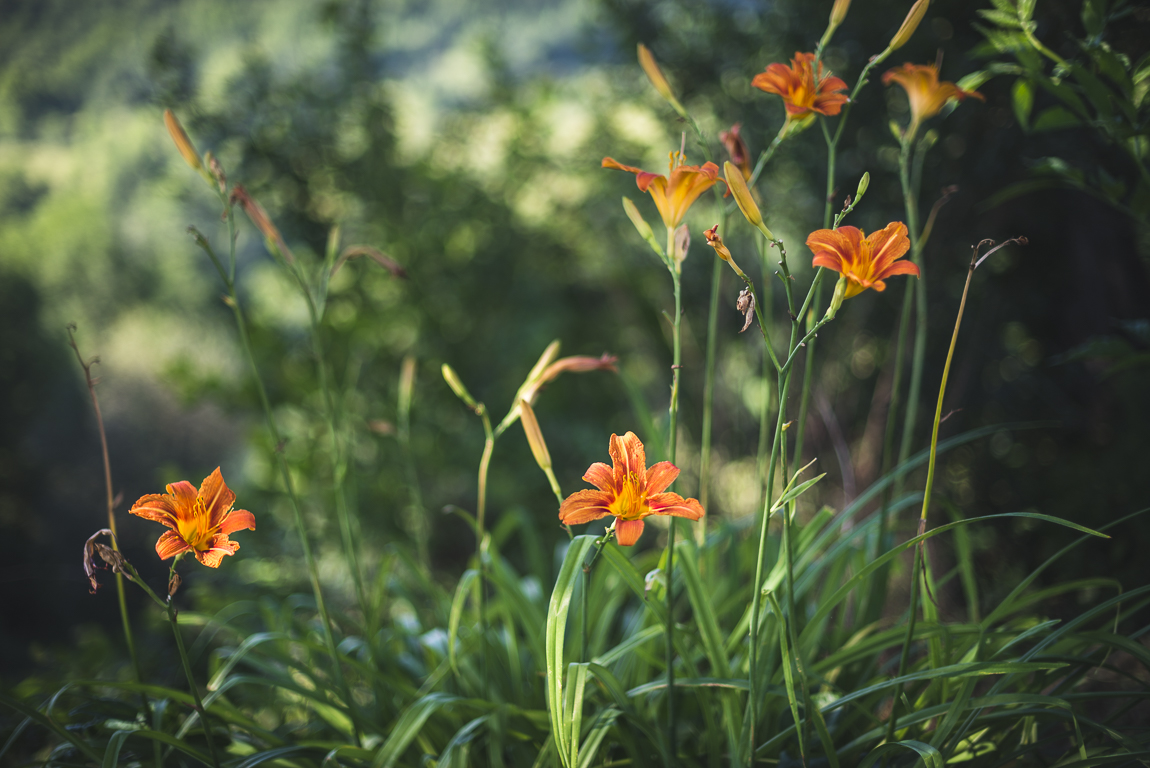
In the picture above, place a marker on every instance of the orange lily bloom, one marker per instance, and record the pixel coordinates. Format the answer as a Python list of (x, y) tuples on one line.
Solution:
[(629, 491), (803, 90), (864, 261), (673, 195), (926, 94), (200, 521)]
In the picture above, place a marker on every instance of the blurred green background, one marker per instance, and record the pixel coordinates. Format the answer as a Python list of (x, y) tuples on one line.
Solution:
[(463, 139)]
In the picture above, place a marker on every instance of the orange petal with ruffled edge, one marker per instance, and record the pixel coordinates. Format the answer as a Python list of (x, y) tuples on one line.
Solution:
[(216, 497), (660, 476), (629, 457), (887, 245), (238, 520), (157, 507), (171, 544), (627, 532), (675, 505), (220, 547), (599, 475), (585, 506), (835, 249)]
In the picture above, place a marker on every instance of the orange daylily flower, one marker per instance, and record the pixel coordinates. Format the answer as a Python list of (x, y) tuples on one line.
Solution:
[(673, 195), (803, 90), (629, 491), (200, 521), (926, 94), (864, 261)]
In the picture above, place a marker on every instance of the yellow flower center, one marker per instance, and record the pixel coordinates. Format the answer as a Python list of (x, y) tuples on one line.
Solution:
[(195, 528), (630, 502)]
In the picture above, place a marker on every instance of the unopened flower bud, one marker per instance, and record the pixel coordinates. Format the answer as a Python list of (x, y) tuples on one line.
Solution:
[(864, 182), (743, 198), (655, 75), (839, 12), (643, 228), (909, 24), (456, 384), (737, 149), (183, 143), (838, 297), (217, 171), (682, 243), (534, 435)]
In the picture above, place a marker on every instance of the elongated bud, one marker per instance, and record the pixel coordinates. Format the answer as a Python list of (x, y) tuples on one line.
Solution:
[(716, 242), (642, 227), (183, 143), (534, 436), (864, 182), (837, 298), (743, 198), (909, 24), (456, 384), (839, 12), (682, 243), (541, 364), (406, 384), (655, 75)]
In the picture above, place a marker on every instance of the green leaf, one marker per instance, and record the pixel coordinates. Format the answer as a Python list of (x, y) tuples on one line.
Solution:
[(1023, 93), (251, 761), (41, 719), (930, 756), (112, 753), (602, 724), (408, 727), (1003, 20), (557, 610), (795, 492), (1055, 119), (461, 591), (789, 664)]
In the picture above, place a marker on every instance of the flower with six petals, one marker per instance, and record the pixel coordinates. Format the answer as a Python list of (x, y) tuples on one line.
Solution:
[(200, 520), (864, 261), (926, 94), (675, 193), (629, 491), (804, 90)]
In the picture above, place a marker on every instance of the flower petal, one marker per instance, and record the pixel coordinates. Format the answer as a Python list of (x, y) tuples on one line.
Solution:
[(776, 79), (599, 475), (836, 249), (660, 476), (629, 457), (184, 492), (217, 498), (158, 507), (675, 505), (238, 520), (627, 532), (170, 545), (886, 245), (585, 506), (214, 555), (642, 178)]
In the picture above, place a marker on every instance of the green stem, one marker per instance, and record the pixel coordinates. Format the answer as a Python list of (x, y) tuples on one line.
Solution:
[(910, 200), (709, 385), (672, 438), (403, 433), (904, 657), (481, 535), (171, 609), (281, 461)]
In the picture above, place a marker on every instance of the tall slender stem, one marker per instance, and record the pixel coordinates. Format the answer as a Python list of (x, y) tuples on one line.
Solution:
[(171, 608), (709, 383), (481, 535), (673, 427), (910, 201)]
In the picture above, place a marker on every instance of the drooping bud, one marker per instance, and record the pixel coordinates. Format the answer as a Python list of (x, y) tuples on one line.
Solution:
[(183, 143), (655, 75), (909, 24), (716, 242), (534, 435), (217, 171), (259, 217), (456, 384), (737, 149), (743, 198)]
